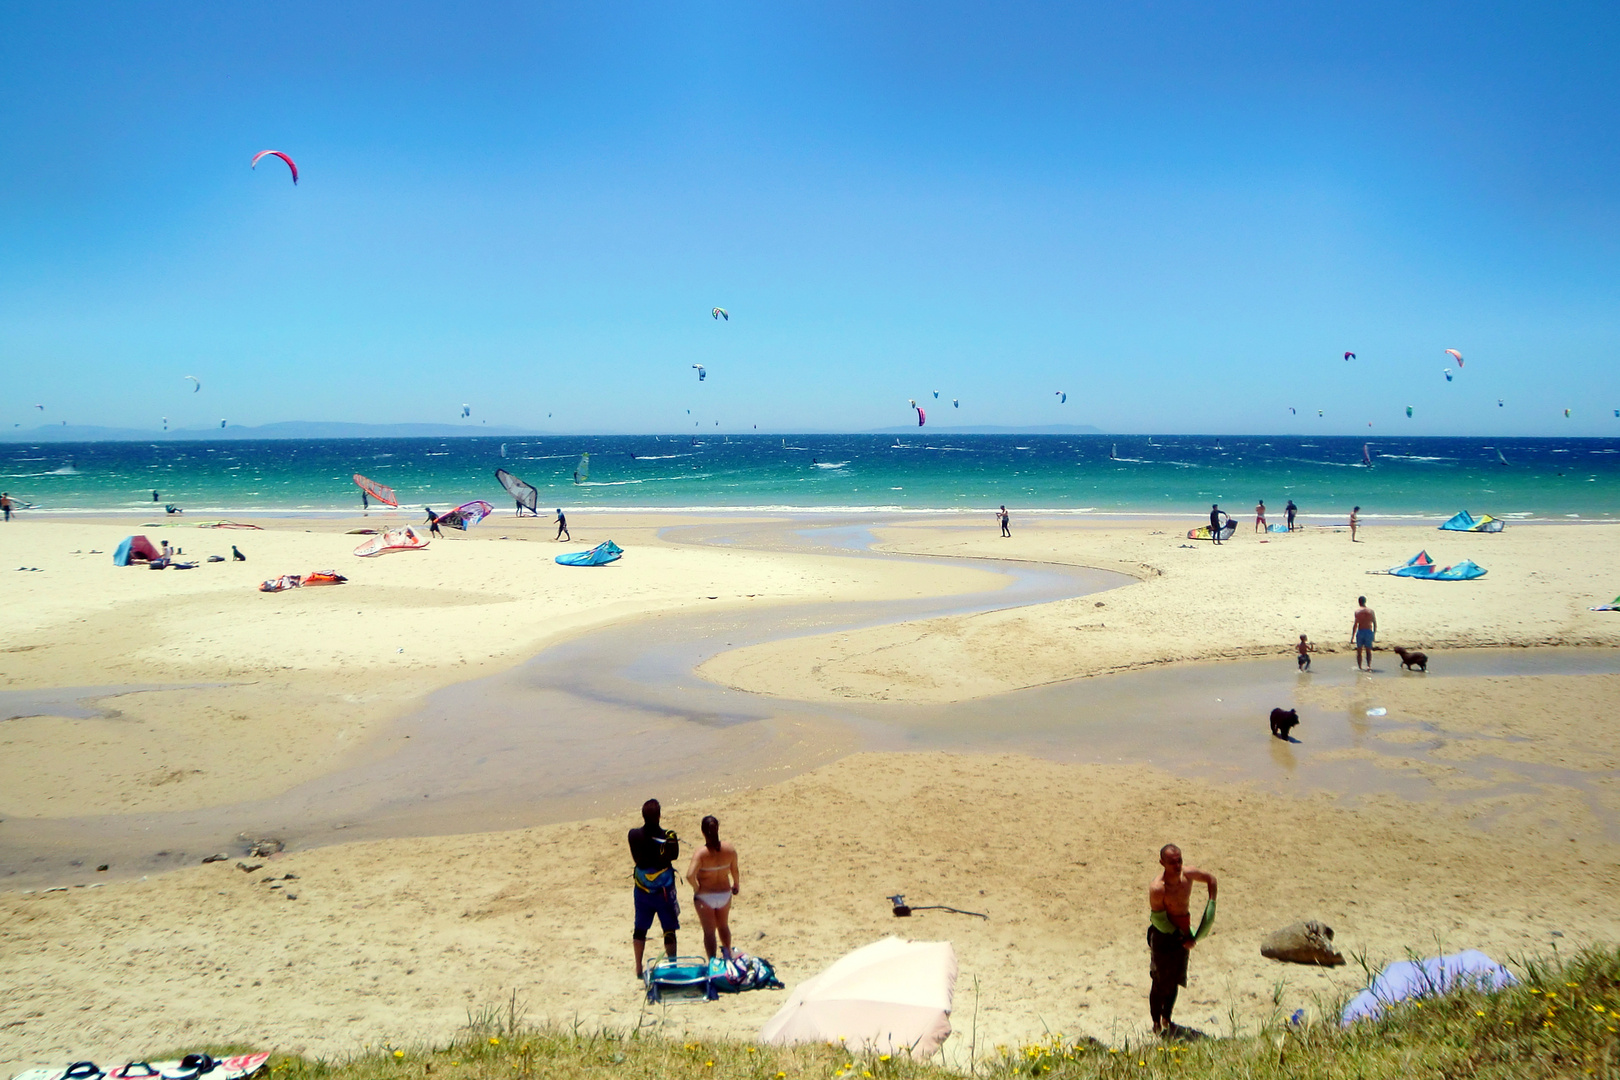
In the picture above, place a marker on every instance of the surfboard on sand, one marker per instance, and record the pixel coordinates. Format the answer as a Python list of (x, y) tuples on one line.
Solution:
[(392, 540), (191, 1067)]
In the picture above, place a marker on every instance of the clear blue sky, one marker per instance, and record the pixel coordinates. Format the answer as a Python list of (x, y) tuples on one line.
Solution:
[(1180, 214)]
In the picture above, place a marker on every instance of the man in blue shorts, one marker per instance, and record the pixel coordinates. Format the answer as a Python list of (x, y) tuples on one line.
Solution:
[(1362, 631), (654, 851)]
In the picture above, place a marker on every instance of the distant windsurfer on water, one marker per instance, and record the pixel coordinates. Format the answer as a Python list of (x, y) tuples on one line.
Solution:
[(562, 527)]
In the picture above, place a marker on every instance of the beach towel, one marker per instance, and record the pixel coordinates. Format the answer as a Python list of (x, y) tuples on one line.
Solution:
[(697, 976), (1421, 978), (605, 552)]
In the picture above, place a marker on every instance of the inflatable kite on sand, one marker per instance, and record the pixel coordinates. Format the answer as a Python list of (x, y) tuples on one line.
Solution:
[(600, 555), (392, 540), (1423, 567), (302, 581), (464, 515), (1463, 521)]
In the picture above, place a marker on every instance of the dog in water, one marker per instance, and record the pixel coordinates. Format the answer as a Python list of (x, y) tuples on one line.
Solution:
[(1412, 660), (1283, 721)]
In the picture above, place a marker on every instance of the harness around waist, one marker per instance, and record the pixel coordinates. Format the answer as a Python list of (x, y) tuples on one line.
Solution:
[(648, 880)]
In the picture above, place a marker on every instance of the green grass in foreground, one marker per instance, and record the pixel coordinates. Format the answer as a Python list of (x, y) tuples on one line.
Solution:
[(1560, 1021)]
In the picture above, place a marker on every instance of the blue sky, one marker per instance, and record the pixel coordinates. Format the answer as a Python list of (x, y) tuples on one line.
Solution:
[(1182, 215)]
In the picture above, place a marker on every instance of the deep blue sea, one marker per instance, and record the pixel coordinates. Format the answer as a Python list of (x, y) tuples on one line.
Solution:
[(1178, 474)]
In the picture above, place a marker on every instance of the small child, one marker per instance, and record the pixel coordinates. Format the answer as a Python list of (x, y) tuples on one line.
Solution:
[(1304, 648)]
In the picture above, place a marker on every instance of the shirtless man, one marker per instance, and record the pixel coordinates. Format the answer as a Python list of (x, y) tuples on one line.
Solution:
[(1260, 516), (1170, 933), (1362, 630), (715, 879)]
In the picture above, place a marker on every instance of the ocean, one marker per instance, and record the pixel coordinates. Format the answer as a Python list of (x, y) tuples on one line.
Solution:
[(1419, 479)]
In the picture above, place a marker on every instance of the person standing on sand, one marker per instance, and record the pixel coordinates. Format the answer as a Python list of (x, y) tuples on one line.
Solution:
[(1260, 516), (1355, 519), (365, 500), (1363, 628), (562, 527), (1215, 516), (1170, 935), (715, 879), (1289, 511), (5, 504), (654, 851), (1005, 531)]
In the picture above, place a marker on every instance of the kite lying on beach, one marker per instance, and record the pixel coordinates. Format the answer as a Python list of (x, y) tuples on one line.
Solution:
[(1423, 567), (302, 581), (1463, 521), (605, 552), (392, 540)]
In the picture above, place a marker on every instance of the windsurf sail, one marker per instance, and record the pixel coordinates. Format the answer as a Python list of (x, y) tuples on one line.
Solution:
[(1500, 459), (466, 514), (1366, 454), (605, 552), (525, 494), (384, 495), (582, 471)]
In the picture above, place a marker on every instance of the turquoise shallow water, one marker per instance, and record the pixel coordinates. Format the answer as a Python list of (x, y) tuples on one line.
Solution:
[(1556, 479)]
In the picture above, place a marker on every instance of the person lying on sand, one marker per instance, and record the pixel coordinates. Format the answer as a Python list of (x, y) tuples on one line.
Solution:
[(715, 879), (654, 851), (1170, 935)]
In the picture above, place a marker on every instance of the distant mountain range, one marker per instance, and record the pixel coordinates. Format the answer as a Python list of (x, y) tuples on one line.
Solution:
[(314, 429)]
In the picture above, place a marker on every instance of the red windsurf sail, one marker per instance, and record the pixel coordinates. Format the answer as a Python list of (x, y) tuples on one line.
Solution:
[(384, 495)]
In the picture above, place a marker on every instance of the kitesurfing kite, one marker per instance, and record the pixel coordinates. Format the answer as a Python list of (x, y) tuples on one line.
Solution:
[(1499, 405), (955, 404), (464, 515), (922, 418), (702, 374), (1318, 412), (1349, 356), (283, 157), (384, 495), (936, 395), (196, 380), (1447, 374), (1292, 411), (582, 471), (525, 494), (41, 408), (466, 410), (1456, 354), (721, 313), (222, 423), (1061, 396), (1566, 414), (1409, 412)]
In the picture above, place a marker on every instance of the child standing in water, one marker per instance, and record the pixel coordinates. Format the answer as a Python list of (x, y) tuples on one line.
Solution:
[(1304, 649)]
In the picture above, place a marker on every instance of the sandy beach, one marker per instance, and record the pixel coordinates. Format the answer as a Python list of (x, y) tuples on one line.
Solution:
[(397, 939)]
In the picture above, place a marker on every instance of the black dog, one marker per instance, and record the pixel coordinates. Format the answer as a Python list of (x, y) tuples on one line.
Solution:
[(1412, 659), (1283, 721)]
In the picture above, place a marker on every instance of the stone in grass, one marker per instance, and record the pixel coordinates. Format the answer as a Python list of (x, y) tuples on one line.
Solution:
[(1303, 943)]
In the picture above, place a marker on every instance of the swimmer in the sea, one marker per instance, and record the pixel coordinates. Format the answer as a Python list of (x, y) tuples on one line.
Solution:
[(715, 879)]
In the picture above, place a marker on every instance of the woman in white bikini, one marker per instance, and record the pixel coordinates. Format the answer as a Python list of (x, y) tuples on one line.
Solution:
[(715, 880)]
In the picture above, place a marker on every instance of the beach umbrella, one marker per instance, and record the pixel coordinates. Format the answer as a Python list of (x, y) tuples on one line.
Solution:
[(891, 996)]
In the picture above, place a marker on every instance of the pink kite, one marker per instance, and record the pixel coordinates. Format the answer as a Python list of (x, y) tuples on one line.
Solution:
[(277, 153)]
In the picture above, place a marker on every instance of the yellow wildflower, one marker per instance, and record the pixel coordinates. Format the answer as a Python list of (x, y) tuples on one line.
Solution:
[(493, 1041), (399, 1053)]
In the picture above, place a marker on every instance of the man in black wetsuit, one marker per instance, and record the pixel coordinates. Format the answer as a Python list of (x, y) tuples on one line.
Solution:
[(654, 851), (1290, 510), (1215, 516)]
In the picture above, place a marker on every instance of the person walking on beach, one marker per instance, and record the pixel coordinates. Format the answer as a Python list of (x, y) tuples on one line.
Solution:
[(1215, 516), (433, 522), (1260, 516), (1170, 935), (562, 527), (654, 851), (5, 504), (1363, 628), (365, 500), (1289, 511), (1005, 531), (715, 879), (1355, 519), (1304, 649)]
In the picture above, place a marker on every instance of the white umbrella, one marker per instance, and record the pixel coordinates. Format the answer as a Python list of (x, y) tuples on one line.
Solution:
[(891, 996)]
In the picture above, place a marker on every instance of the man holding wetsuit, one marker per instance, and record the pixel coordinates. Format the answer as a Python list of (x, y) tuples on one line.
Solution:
[(1170, 935), (654, 851)]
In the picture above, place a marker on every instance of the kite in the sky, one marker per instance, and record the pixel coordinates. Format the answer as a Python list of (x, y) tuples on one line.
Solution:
[(1292, 411), (936, 395), (1447, 374), (912, 402), (222, 423), (283, 157), (41, 408), (1499, 405), (702, 374), (1455, 353), (1318, 412), (721, 313), (1566, 414), (196, 380), (1349, 356), (1409, 412), (1061, 396), (957, 404), (922, 418), (466, 410)]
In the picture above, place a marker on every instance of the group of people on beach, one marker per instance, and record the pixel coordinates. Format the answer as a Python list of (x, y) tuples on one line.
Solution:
[(712, 874), (1363, 629)]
